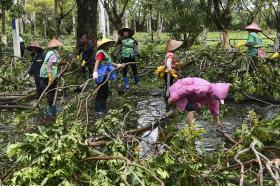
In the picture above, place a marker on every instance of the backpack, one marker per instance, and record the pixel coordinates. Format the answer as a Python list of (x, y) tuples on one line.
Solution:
[(127, 50)]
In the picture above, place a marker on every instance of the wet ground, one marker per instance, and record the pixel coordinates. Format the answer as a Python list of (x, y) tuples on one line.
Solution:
[(234, 115)]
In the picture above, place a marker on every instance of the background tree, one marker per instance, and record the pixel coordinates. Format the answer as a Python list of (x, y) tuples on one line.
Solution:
[(87, 18), (5, 5), (183, 19), (221, 14)]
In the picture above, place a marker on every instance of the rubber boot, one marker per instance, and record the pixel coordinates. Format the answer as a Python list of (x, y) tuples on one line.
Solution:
[(98, 108), (136, 79), (52, 110), (125, 80), (103, 106)]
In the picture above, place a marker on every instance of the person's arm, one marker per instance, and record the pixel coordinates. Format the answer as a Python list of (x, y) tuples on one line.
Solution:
[(169, 64), (87, 54), (136, 50), (118, 65)]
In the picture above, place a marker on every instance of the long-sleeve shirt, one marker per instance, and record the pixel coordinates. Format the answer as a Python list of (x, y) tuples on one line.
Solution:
[(87, 50), (37, 61)]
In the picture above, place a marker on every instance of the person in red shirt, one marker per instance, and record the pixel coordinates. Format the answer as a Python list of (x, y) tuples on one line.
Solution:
[(104, 67)]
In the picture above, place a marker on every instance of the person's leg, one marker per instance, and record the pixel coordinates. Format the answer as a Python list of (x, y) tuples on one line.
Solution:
[(101, 98), (190, 113), (135, 74), (125, 78), (43, 83), (166, 93), (51, 97), (37, 83), (190, 118)]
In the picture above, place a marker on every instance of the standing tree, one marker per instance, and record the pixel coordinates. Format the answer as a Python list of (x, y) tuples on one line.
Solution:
[(5, 5), (219, 11), (116, 11), (60, 13), (87, 18), (186, 22)]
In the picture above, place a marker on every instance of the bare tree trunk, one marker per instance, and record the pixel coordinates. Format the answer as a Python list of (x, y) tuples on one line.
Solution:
[(56, 17), (125, 19), (45, 28), (4, 36), (277, 41), (159, 25), (225, 39), (205, 35), (108, 24), (102, 19), (87, 19), (33, 18), (74, 22), (134, 23)]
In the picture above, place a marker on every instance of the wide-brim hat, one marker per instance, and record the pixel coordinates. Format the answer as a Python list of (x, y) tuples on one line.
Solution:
[(54, 43), (34, 44), (254, 27), (129, 30), (173, 45), (103, 42)]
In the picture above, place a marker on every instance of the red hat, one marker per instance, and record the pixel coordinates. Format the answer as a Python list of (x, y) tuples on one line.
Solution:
[(254, 27), (34, 44)]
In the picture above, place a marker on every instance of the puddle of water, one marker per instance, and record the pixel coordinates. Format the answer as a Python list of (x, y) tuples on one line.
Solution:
[(212, 139), (149, 111)]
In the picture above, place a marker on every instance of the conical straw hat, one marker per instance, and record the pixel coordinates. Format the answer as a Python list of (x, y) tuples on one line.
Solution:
[(104, 41), (253, 26), (173, 45), (131, 32), (54, 43), (34, 44)]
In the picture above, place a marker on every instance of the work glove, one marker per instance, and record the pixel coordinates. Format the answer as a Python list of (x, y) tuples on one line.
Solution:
[(239, 45), (84, 63), (173, 74), (78, 57), (120, 65), (62, 62), (49, 78), (95, 75), (276, 55), (27, 76)]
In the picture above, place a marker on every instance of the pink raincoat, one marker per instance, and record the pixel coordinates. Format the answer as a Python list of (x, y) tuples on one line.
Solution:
[(199, 92)]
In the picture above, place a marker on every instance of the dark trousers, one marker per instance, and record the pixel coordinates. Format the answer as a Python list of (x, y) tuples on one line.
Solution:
[(133, 66), (167, 85), (50, 92), (102, 96), (37, 83)]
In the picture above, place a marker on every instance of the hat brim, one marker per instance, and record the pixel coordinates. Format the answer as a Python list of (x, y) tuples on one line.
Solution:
[(108, 43), (131, 32)]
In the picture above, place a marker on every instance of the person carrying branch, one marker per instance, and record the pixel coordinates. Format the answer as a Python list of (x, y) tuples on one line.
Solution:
[(127, 49), (48, 73), (37, 58), (86, 55), (104, 67), (169, 70), (190, 93)]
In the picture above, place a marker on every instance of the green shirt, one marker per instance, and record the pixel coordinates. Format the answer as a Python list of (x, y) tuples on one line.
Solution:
[(253, 43), (44, 70)]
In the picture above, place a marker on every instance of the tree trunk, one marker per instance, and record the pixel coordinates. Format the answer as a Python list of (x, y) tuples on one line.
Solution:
[(159, 25), (74, 22), (225, 39), (33, 24), (45, 27), (102, 19), (205, 35), (87, 19), (277, 41), (56, 18), (108, 24), (4, 36)]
